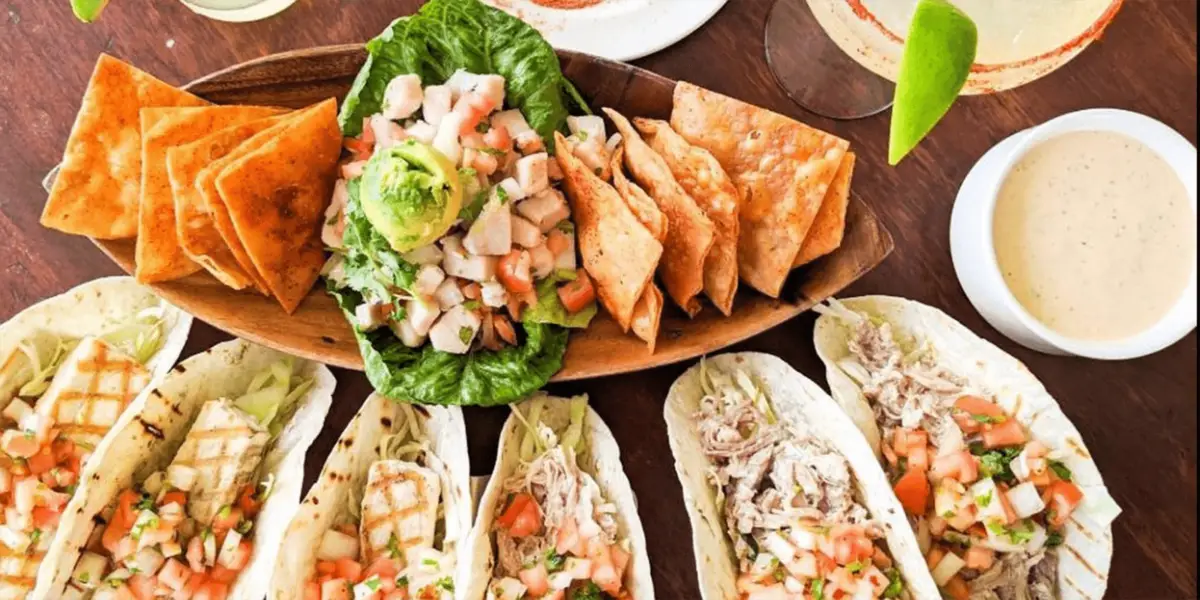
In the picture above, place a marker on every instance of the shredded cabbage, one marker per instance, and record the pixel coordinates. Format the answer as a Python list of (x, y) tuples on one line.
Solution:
[(44, 366), (272, 393), (573, 436), (142, 335), (531, 444)]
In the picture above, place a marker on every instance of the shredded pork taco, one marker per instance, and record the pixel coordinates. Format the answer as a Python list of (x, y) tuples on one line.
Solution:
[(996, 481), (785, 497)]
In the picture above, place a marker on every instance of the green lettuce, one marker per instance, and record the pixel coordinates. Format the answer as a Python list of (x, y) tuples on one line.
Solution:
[(447, 35), (550, 309), (370, 265)]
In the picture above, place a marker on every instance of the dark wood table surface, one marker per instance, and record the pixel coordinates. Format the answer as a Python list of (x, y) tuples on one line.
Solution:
[(1139, 417)]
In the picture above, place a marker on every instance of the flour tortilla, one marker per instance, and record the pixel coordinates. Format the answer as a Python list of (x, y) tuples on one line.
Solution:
[(782, 169), (146, 439), (701, 176), (639, 202), (195, 226), (829, 227), (796, 399), (159, 254), (345, 475), (1086, 554), (602, 460), (690, 234), (98, 184), (647, 316)]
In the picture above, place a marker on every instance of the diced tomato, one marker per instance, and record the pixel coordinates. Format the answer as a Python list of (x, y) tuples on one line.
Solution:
[(498, 138), (249, 503), (904, 440), (336, 589), (569, 540), (957, 589), (1061, 498), (19, 445), (326, 567), (557, 242), (174, 574), (510, 514), (195, 554), (397, 594), (189, 589), (142, 586), (579, 294), (513, 272), (41, 462), (222, 574), (959, 465), (536, 579), (473, 107), (848, 549), (935, 556), (212, 590), (1010, 515), (620, 560), (312, 591), (918, 459), (174, 497), (349, 569), (227, 518), (241, 555), (63, 449), (889, 454), (974, 405), (384, 567), (980, 558), (1002, 435), (913, 491), (529, 522), (504, 329), (126, 515), (112, 535), (359, 148), (45, 518)]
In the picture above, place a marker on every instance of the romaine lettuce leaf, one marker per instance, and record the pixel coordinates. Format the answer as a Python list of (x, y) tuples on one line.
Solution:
[(550, 309), (371, 266)]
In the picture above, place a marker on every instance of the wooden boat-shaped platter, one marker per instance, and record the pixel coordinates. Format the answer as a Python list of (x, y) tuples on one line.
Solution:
[(318, 331)]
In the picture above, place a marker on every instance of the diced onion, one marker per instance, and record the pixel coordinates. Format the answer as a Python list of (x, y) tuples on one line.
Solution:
[(337, 545), (1025, 500), (947, 568)]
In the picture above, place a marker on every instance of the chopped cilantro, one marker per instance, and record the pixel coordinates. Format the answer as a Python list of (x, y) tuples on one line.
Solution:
[(429, 562), (985, 500), (956, 538), (585, 591), (446, 583), (1055, 539), (501, 194), (224, 512), (84, 577), (482, 127), (948, 515), (582, 135), (565, 226), (147, 503), (997, 464), (393, 546), (466, 334), (1060, 470), (472, 305), (818, 589), (1023, 535), (895, 585), (554, 561), (244, 527), (856, 566), (491, 151), (373, 583), (988, 419), (598, 171), (402, 581)]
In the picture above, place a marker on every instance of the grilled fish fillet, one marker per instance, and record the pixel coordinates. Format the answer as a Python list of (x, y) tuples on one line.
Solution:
[(225, 446), (91, 389), (18, 568), (400, 502)]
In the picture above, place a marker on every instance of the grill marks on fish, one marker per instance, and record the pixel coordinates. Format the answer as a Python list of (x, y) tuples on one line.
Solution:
[(91, 390), (399, 504), (225, 446)]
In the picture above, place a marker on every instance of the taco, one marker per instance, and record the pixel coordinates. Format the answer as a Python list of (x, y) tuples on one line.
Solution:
[(998, 484), (558, 518), (191, 494), (389, 512), (784, 495), (69, 367)]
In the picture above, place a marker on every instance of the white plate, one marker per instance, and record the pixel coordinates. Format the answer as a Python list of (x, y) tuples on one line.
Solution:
[(615, 29)]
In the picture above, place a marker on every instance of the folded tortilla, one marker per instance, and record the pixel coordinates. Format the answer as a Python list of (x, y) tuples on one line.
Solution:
[(602, 460), (690, 234), (618, 252), (639, 202), (781, 167), (195, 224), (147, 440), (829, 227), (793, 398), (159, 254), (647, 315), (702, 177), (98, 184), (339, 488), (1086, 553), (276, 195)]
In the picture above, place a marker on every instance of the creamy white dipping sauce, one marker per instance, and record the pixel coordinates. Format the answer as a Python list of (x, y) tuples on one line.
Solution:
[(1095, 235)]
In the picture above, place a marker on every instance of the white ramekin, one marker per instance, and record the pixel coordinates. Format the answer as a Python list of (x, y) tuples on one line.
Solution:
[(975, 256)]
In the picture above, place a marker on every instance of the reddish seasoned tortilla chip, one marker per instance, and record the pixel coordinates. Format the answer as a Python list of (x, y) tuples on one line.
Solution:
[(690, 233), (782, 169), (702, 177), (159, 255), (194, 223), (99, 182), (639, 202), (647, 315), (618, 252), (276, 196), (829, 227)]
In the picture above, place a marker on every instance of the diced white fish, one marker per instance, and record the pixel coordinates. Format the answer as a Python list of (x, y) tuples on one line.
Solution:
[(334, 225), (512, 121), (529, 142), (507, 588), (421, 313), (446, 140), (541, 261), (387, 132), (92, 387), (224, 446), (491, 233), (408, 336), (458, 263), (422, 132), (592, 154), (525, 234), (586, 128), (545, 209), (428, 278), (399, 508), (512, 190), (369, 315), (334, 270), (425, 255), (490, 87), (532, 173), (566, 259), (455, 331), (438, 102), (493, 294), (460, 82), (555, 171), (402, 97), (448, 295)]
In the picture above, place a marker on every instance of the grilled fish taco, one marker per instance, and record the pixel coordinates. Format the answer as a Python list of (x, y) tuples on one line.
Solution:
[(69, 367), (558, 519), (389, 512), (785, 497), (998, 484), (191, 494)]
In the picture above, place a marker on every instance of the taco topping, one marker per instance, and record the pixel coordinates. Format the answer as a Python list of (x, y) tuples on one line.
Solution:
[(988, 502), (788, 501), (556, 535), (399, 545)]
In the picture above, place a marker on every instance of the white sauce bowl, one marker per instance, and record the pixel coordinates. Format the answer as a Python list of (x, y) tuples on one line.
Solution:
[(971, 244)]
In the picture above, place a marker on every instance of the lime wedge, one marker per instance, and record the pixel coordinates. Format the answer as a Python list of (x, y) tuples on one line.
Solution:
[(88, 10), (938, 55)]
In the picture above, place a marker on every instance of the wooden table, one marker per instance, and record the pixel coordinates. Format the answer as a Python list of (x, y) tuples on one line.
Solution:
[(1139, 417)]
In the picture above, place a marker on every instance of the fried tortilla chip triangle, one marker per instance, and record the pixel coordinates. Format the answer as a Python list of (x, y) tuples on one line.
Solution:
[(829, 227)]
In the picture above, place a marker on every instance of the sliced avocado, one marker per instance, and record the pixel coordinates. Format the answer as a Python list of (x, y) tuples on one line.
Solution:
[(88, 10)]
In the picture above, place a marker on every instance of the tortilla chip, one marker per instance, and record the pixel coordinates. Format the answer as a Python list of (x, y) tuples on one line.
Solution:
[(829, 227), (782, 169), (690, 235), (647, 315), (639, 202), (98, 184), (276, 196), (194, 224), (702, 177), (159, 255), (618, 253)]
